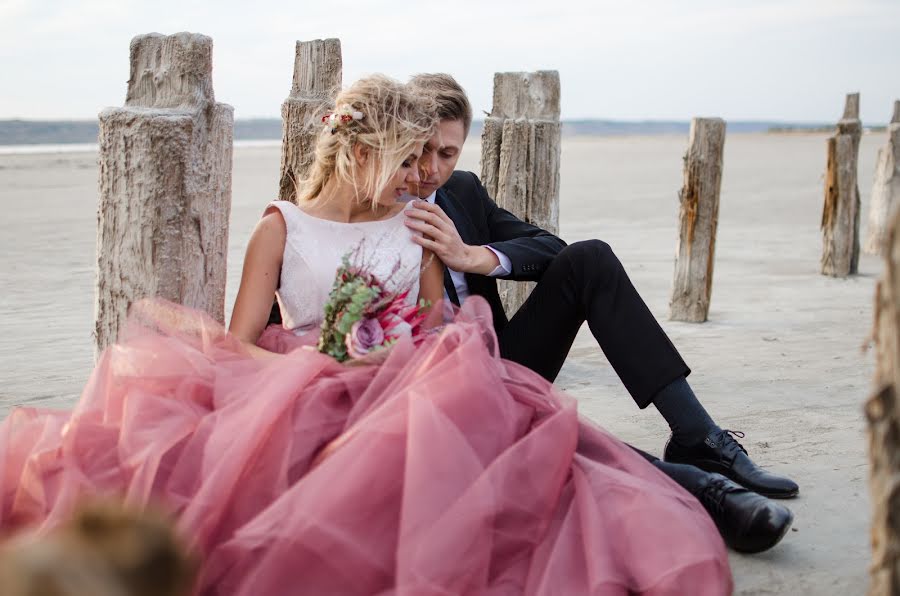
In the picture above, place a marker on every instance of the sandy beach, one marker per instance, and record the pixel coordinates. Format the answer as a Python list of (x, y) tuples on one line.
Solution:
[(780, 359)]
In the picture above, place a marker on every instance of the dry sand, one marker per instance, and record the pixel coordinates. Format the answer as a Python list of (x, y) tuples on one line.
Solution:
[(780, 358)]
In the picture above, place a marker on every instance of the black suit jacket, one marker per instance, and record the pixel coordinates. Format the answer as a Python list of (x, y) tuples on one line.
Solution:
[(481, 222)]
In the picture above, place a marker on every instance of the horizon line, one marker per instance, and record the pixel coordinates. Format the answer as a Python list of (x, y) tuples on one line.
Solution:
[(650, 120)]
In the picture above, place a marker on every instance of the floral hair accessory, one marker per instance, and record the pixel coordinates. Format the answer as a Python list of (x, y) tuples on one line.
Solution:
[(342, 116)]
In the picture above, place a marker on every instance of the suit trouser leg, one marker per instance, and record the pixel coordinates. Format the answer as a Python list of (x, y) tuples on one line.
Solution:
[(686, 476), (592, 446), (586, 282)]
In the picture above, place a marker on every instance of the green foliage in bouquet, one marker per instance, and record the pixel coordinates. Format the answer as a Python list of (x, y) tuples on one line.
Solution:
[(350, 299)]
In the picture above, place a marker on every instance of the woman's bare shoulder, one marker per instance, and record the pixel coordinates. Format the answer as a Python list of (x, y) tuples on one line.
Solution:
[(272, 223)]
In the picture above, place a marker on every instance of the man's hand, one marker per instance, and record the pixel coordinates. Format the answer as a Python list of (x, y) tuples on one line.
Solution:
[(440, 236)]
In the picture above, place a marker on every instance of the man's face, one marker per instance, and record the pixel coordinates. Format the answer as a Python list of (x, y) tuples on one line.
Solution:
[(440, 156)]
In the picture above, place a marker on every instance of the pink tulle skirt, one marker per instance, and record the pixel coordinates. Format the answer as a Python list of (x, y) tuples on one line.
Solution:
[(442, 470)]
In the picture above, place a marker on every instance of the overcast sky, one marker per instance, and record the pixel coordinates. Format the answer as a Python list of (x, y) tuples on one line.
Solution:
[(789, 60)]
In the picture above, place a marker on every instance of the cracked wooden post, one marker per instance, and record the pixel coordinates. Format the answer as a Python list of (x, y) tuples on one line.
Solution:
[(883, 423), (699, 219), (165, 185), (317, 81), (886, 189), (840, 214), (520, 151)]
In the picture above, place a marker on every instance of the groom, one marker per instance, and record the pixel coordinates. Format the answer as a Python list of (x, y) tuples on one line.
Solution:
[(480, 242)]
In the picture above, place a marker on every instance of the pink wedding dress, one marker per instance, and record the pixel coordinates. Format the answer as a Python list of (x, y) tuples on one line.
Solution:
[(443, 470)]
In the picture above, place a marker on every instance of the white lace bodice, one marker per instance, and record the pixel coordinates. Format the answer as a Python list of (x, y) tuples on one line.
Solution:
[(313, 252)]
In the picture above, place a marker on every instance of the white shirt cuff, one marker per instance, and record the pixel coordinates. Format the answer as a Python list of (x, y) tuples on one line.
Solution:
[(505, 266)]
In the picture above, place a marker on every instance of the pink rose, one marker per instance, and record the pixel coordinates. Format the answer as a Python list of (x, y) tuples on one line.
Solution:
[(365, 335)]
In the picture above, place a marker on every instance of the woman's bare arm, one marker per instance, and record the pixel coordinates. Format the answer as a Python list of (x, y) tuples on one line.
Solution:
[(259, 280), (431, 286)]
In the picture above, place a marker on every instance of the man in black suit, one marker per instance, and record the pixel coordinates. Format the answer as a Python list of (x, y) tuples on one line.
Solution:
[(480, 242)]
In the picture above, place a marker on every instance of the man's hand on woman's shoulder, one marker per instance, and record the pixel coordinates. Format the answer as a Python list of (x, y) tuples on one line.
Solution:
[(439, 234)]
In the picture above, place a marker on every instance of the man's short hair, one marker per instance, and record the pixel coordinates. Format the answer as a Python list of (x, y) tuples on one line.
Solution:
[(452, 102)]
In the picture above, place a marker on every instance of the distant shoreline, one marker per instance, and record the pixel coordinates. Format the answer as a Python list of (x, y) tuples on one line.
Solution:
[(84, 132), (48, 148)]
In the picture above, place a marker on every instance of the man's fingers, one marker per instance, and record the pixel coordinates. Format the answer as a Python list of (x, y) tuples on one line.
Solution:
[(424, 207), (442, 223), (420, 226), (427, 229), (423, 215), (444, 217), (426, 243), (417, 224)]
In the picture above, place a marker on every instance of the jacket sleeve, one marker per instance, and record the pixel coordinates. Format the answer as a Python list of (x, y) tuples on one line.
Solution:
[(529, 248)]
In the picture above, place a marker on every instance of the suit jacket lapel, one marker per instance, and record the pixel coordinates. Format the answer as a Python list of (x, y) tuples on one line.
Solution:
[(467, 231)]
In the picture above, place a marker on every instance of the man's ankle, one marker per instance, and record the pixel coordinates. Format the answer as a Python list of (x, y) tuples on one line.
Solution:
[(689, 421), (695, 437)]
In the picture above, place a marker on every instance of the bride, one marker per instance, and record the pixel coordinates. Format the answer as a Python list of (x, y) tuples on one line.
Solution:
[(441, 469)]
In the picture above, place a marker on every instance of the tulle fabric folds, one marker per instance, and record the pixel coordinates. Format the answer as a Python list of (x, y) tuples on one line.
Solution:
[(441, 470)]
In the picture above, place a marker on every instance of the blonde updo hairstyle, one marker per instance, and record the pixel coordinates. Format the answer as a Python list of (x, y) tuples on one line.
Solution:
[(395, 118)]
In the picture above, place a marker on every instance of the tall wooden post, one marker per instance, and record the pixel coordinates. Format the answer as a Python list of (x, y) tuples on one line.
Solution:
[(883, 416), (317, 81), (840, 215), (699, 219), (520, 149), (165, 185), (886, 189)]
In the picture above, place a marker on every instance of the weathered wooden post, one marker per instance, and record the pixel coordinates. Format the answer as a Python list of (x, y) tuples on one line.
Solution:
[(886, 189), (699, 219), (883, 416), (165, 185), (840, 215), (520, 149), (317, 81)]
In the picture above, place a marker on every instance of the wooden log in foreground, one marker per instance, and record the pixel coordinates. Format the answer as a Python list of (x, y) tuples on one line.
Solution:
[(699, 219), (886, 189), (520, 156), (840, 215), (883, 417), (317, 81), (165, 185)]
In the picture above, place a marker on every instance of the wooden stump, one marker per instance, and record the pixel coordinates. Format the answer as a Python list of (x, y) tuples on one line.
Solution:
[(520, 149), (883, 416), (699, 219), (317, 81), (165, 185), (840, 215), (886, 189)]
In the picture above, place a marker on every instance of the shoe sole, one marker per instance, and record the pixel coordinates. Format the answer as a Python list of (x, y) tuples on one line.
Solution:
[(717, 468), (773, 495), (768, 545)]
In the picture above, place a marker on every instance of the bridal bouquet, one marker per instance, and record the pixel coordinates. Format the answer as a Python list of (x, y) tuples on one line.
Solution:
[(362, 317)]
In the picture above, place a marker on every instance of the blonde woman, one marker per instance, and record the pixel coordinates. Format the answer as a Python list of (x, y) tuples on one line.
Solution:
[(366, 159), (443, 469)]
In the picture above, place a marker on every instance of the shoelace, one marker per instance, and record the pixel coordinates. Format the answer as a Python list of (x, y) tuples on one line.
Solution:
[(713, 495), (729, 438)]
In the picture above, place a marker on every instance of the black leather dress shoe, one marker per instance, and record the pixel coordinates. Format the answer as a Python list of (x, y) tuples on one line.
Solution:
[(748, 522), (721, 453)]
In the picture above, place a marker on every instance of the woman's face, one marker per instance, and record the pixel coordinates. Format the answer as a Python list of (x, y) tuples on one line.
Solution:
[(400, 182)]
